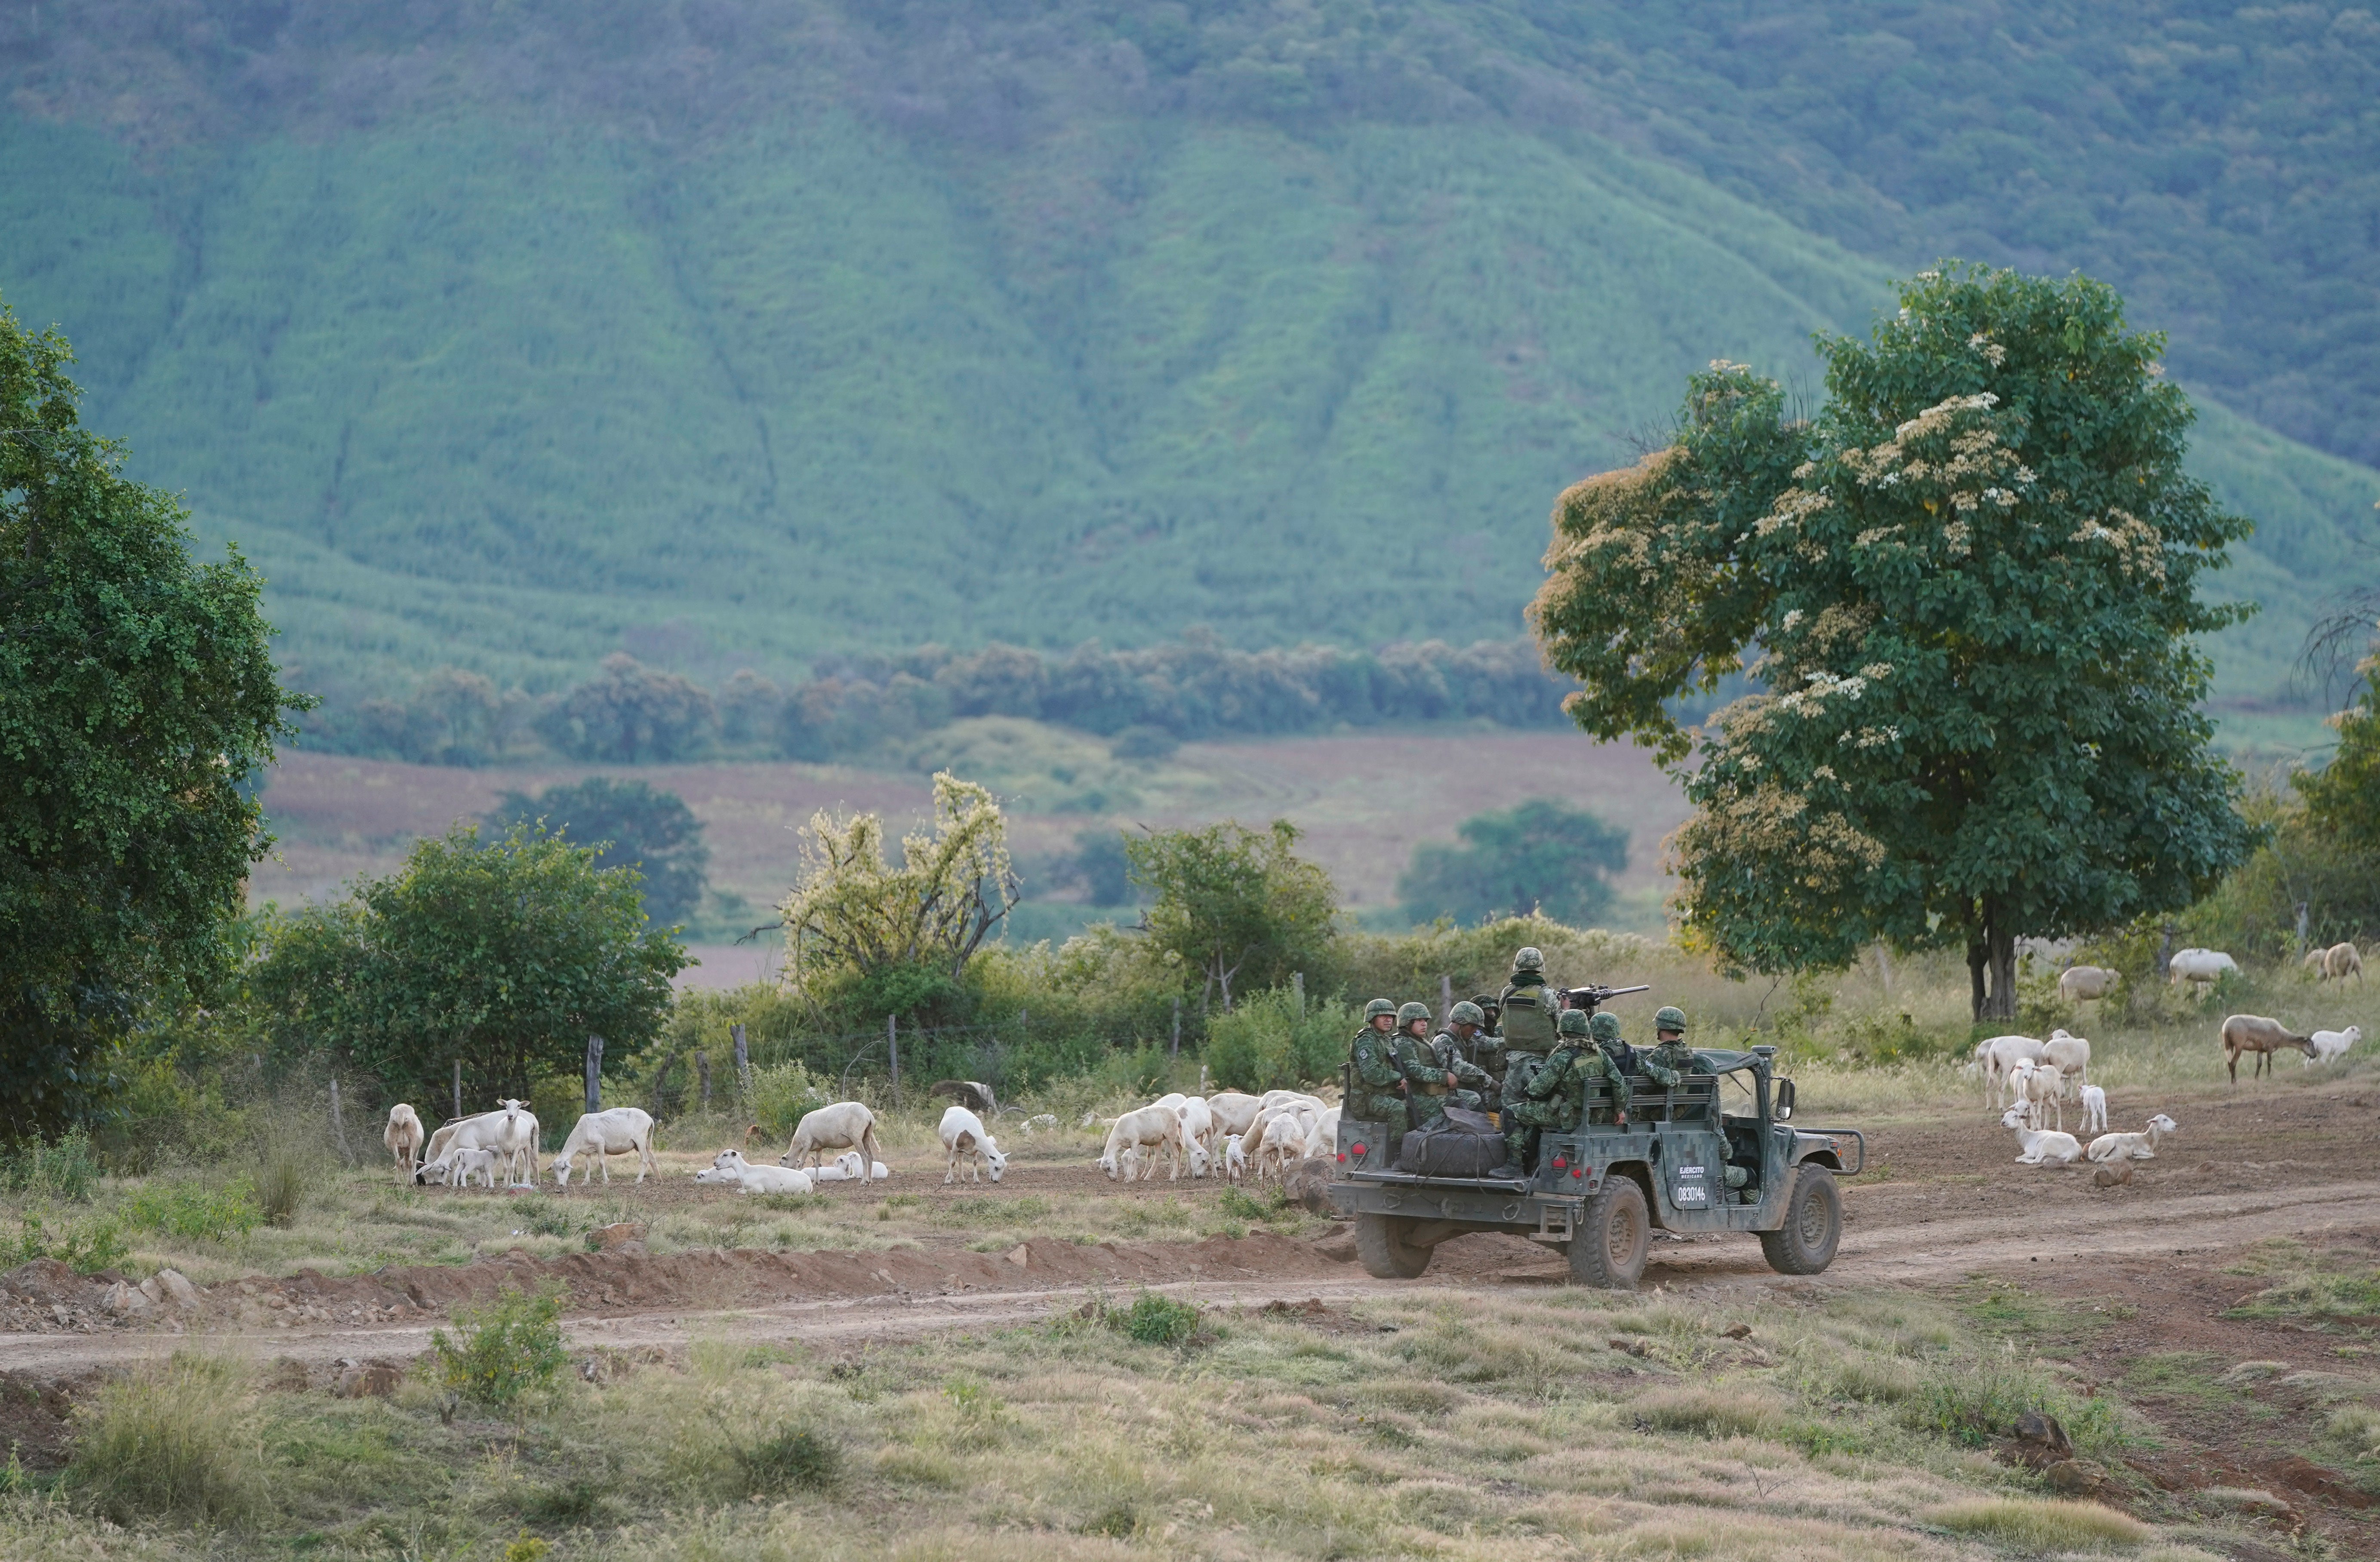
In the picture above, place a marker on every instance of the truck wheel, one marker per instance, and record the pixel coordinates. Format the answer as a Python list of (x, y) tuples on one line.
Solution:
[(1380, 1243), (1614, 1238), (1814, 1224)]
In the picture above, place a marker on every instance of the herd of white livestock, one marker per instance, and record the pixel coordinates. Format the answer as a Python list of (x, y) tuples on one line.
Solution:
[(1231, 1133)]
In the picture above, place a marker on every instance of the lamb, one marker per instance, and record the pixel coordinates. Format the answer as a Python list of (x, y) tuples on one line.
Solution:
[(2329, 1046), (1160, 1127), (2070, 1053), (845, 1167), (964, 1142), (2140, 1146), (2340, 961), (403, 1137), (2255, 1033), (462, 1165), (2095, 1109), (2037, 1147), (845, 1125), (2199, 966), (2000, 1054), (1232, 1110), (2042, 1088), (511, 1132), (616, 1131), (1041, 1122), (1235, 1158), (754, 1178), (2077, 984)]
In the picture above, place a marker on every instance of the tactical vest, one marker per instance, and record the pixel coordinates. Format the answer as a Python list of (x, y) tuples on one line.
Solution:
[(1531, 1016)]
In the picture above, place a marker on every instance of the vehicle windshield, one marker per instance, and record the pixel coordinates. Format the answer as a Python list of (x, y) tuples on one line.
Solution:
[(1738, 1095)]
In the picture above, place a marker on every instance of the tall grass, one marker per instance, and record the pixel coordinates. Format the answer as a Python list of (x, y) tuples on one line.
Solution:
[(170, 1440)]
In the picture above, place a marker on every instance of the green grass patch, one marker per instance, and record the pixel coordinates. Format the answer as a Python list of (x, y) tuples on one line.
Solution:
[(172, 1441), (504, 1349), (195, 1212)]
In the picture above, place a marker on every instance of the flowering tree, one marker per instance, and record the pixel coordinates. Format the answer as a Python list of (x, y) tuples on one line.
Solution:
[(854, 914), (1971, 583)]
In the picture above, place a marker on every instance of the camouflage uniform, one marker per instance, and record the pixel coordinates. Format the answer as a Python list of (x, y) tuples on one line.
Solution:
[(1426, 1091), (1454, 1056), (1685, 1060), (1607, 1035), (1373, 1092), (1556, 1096), (1530, 1011)]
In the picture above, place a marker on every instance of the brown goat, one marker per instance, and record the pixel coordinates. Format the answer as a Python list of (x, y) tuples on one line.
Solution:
[(2253, 1032)]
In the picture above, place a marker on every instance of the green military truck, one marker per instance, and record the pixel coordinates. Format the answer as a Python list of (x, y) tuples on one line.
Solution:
[(1602, 1187)]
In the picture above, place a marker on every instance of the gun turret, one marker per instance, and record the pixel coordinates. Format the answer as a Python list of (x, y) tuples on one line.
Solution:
[(1589, 997)]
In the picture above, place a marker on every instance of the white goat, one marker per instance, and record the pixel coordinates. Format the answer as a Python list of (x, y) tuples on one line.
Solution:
[(2199, 967), (1235, 1158), (510, 1131), (1197, 1123), (964, 1143), (1160, 1127), (2040, 1147), (2038, 1091), (2001, 1054), (462, 1165), (1232, 1112), (1285, 1141), (2140, 1146), (2330, 1045), (761, 1178), (2078, 983), (2095, 1109), (845, 1125), (845, 1167), (403, 1137), (615, 1131), (2070, 1053), (1322, 1138)]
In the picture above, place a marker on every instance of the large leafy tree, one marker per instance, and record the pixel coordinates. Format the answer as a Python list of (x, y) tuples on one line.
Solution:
[(631, 823), (1971, 582), (505, 955), (1237, 905), (1542, 855), (138, 695)]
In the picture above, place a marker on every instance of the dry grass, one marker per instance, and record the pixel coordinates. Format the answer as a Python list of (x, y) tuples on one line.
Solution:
[(174, 1440), (2034, 1524)]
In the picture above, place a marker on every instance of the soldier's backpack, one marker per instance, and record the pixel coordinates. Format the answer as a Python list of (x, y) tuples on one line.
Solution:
[(1461, 1144)]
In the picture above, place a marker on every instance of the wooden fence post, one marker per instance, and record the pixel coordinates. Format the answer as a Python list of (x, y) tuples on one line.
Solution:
[(1177, 1024), (702, 1072), (892, 1045), (594, 1074), (1445, 1000), (1296, 987), (458, 1087), (742, 1063)]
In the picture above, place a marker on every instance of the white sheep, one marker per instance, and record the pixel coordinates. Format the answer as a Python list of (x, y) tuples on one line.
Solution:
[(1197, 1123), (403, 1137), (2095, 1109), (1232, 1110), (1285, 1141), (965, 1144), (511, 1132), (2077, 984), (1235, 1158), (2140, 1146), (2340, 961), (754, 1178), (2040, 1091), (845, 1125), (462, 1164), (1322, 1138), (2199, 967), (615, 1131), (2000, 1055), (2331, 1046), (2070, 1053), (2041, 1147), (845, 1167), (1160, 1127), (1041, 1122)]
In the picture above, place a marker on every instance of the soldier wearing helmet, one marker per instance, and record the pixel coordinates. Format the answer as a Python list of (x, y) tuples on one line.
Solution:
[(1555, 1096), (1625, 1058), (1670, 1051), (1372, 1092), (1427, 1082), (1452, 1048), (1531, 1009)]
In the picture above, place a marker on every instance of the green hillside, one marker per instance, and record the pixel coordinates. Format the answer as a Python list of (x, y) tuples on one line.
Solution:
[(730, 335)]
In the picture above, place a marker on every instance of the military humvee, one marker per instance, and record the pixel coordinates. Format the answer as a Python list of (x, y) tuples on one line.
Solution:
[(1600, 1189)]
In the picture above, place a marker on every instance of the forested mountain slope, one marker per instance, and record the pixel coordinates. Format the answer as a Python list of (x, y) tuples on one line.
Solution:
[(731, 333)]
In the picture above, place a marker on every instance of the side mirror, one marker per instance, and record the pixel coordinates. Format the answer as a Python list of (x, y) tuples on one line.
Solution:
[(1784, 1100)]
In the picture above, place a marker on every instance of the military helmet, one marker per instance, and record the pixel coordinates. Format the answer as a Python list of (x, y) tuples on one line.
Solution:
[(1378, 1007), (1670, 1019), (1530, 958), (1466, 1013), (1606, 1027), (1413, 1012), (1573, 1021)]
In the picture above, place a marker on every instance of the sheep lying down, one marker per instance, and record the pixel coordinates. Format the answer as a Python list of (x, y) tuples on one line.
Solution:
[(730, 1167)]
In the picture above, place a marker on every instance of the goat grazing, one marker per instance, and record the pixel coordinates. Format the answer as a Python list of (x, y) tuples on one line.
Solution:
[(1158, 1127), (1232, 1112), (2329, 1046), (2340, 961), (845, 1125), (2199, 967), (403, 1137), (2140, 1146), (2078, 983), (2039, 1147), (2255, 1033), (964, 1143), (615, 1131)]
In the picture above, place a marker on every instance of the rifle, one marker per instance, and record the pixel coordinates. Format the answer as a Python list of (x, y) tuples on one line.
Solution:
[(1589, 996)]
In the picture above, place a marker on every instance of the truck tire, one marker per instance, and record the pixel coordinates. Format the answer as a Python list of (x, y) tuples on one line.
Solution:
[(1814, 1224), (1380, 1243), (1614, 1238)]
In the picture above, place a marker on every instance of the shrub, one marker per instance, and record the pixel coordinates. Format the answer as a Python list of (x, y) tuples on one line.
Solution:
[(1708, 1412), (1268, 1043), (62, 1170), (86, 1246), (282, 1189), (161, 1442), (1157, 1320), (1977, 1401), (506, 1349), (795, 1458), (196, 1213)]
